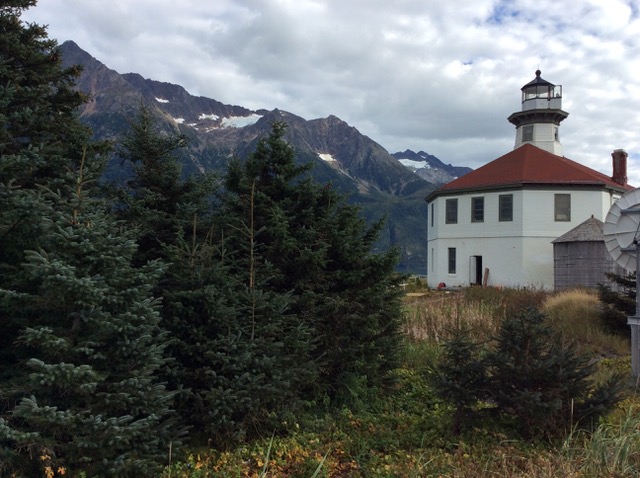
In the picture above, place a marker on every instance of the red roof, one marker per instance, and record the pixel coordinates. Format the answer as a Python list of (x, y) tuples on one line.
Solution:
[(529, 165)]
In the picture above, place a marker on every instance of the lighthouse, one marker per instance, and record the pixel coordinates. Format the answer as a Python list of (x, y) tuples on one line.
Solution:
[(539, 119)]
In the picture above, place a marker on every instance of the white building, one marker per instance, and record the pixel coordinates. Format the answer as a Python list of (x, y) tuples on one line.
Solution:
[(495, 225)]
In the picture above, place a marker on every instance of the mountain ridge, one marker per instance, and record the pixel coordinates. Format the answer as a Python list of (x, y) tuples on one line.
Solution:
[(429, 167), (352, 162)]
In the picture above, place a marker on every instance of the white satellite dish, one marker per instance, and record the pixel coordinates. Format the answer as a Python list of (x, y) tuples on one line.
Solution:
[(621, 228)]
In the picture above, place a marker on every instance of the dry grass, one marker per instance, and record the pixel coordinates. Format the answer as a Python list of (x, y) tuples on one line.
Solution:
[(433, 318), (576, 314), (480, 309)]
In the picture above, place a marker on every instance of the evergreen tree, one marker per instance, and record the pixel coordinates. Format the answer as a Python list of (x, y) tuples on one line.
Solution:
[(85, 391), (320, 250), (241, 354), (81, 345), (236, 353), (158, 201), (618, 305), (532, 378), (40, 139), (463, 378), (40, 135), (541, 381)]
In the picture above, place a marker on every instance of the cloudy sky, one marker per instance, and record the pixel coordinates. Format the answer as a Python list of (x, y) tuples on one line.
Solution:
[(440, 76)]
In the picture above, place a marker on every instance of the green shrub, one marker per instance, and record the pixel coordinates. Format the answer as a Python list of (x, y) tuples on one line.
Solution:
[(542, 382), (463, 378), (537, 380)]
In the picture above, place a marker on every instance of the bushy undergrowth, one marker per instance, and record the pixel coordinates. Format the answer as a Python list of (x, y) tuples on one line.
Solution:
[(407, 433)]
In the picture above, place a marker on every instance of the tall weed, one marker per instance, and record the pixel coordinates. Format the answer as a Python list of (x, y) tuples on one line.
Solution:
[(613, 449), (434, 318), (480, 309)]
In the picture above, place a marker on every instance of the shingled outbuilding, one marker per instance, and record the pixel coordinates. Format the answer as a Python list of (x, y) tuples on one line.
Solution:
[(581, 259)]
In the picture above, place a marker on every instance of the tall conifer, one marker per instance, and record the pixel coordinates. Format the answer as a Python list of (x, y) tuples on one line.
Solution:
[(237, 354), (84, 391), (81, 345), (321, 251)]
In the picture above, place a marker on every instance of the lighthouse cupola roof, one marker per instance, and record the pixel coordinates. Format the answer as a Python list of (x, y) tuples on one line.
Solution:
[(538, 81)]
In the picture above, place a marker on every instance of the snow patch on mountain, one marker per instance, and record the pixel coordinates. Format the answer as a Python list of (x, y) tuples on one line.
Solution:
[(161, 100), (212, 117), (239, 121), (327, 157), (429, 167), (410, 163)]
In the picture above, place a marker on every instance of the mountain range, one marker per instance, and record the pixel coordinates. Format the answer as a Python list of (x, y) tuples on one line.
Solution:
[(383, 184), (430, 168)]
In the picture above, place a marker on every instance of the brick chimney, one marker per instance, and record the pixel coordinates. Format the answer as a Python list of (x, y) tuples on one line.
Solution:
[(619, 166)]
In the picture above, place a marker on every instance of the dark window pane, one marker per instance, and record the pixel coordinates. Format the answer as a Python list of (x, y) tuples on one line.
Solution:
[(505, 206), (451, 216)]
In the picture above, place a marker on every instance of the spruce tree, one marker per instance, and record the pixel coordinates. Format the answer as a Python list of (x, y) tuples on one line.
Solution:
[(85, 391), (262, 356), (463, 378), (620, 304), (541, 382), (236, 354), (321, 251), (533, 379), (81, 345), (40, 135), (40, 139), (158, 201)]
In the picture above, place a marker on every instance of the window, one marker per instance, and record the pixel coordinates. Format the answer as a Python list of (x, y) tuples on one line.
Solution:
[(562, 206), (527, 132), (505, 207), (432, 215), (452, 260), (556, 135), (451, 215), (477, 209)]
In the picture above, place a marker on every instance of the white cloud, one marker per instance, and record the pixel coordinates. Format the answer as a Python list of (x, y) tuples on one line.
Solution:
[(411, 74)]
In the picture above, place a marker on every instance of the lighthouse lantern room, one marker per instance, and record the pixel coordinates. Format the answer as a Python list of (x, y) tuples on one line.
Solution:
[(539, 119)]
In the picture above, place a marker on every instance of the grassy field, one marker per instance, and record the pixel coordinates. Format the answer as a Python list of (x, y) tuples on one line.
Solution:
[(406, 432)]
